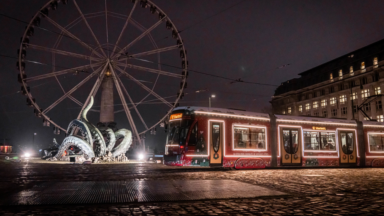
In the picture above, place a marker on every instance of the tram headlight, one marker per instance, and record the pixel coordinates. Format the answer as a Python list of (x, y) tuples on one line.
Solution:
[(141, 156), (27, 155)]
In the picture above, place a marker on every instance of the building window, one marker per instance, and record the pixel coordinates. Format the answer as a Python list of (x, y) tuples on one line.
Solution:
[(324, 103), (366, 119), (364, 80), (375, 61), (331, 89), (354, 109), (314, 140), (322, 92), (362, 65), (367, 107), (380, 118), (364, 93), (351, 69), (300, 108), (344, 110), (377, 90), (332, 101), (352, 84), (331, 76), (340, 73), (283, 112), (307, 106), (343, 99), (354, 96), (378, 105), (334, 112), (249, 137), (376, 142), (289, 110), (341, 87), (315, 105), (316, 113), (324, 113)]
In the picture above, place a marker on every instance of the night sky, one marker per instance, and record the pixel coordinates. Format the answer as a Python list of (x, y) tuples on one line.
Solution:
[(249, 41)]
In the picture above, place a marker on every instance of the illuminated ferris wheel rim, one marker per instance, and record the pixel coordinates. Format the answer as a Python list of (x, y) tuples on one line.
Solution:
[(100, 62)]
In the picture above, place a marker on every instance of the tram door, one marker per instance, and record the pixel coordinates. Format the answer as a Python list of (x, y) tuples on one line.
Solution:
[(216, 145), (290, 147), (347, 147)]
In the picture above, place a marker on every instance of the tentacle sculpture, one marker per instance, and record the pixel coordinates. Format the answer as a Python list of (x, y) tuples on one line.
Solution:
[(111, 139), (88, 138), (125, 143), (75, 141)]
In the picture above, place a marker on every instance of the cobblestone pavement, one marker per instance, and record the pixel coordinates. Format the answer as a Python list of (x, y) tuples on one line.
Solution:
[(313, 191)]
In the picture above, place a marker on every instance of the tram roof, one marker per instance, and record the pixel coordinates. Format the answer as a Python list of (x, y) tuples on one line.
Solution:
[(229, 112), (373, 124), (311, 120)]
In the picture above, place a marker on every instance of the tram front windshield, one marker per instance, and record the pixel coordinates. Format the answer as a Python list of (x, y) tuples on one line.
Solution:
[(178, 131)]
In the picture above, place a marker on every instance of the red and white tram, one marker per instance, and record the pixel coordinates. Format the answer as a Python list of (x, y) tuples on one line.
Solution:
[(199, 136)]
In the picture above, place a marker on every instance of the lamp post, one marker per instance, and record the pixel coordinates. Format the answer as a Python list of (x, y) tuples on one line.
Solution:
[(212, 96), (33, 139)]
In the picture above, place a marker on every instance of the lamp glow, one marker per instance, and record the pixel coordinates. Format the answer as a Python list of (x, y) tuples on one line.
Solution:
[(141, 156), (27, 155)]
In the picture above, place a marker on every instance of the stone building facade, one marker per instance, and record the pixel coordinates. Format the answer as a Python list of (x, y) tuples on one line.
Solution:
[(336, 88)]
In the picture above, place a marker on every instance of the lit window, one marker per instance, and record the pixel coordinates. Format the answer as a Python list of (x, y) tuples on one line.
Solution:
[(334, 112), (375, 61), (340, 73), (319, 140), (380, 118), (283, 112), (376, 142), (378, 105), (289, 110), (307, 106), (332, 101), (324, 103), (377, 90), (249, 137), (367, 119), (315, 105), (300, 108), (324, 113), (331, 76), (354, 96), (344, 110), (351, 69), (362, 65), (343, 99), (364, 93)]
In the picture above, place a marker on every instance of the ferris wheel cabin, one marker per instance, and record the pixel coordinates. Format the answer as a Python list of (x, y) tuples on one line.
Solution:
[(200, 136)]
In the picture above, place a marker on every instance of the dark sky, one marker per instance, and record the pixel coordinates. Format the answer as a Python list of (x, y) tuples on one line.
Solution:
[(249, 41)]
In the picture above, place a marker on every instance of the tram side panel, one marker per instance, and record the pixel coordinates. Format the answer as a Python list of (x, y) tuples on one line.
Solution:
[(316, 144), (374, 144)]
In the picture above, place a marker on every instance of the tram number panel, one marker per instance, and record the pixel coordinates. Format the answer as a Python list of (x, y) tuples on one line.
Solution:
[(291, 148), (216, 145), (347, 147)]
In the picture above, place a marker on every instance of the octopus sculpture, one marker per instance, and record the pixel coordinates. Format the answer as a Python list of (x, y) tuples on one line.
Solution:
[(91, 142)]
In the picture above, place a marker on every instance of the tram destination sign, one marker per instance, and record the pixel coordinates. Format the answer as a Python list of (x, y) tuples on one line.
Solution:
[(176, 116), (318, 128)]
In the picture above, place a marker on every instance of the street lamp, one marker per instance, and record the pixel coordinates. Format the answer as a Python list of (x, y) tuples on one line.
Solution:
[(212, 96), (33, 140)]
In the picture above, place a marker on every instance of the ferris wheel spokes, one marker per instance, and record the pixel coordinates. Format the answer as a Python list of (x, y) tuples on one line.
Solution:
[(69, 34), (89, 27), (94, 89), (145, 87), (62, 52), (71, 91), (125, 105), (155, 51), (62, 72), (125, 26), (138, 38), (130, 100), (151, 70)]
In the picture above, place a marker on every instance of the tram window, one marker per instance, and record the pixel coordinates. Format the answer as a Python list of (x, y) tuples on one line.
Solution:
[(319, 140), (249, 138), (291, 141), (193, 137), (347, 142), (376, 142)]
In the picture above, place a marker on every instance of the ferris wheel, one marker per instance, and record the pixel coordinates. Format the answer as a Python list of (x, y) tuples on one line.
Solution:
[(87, 46)]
